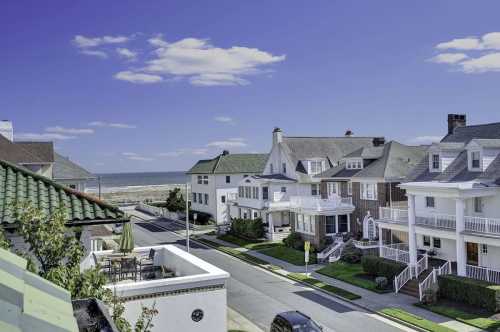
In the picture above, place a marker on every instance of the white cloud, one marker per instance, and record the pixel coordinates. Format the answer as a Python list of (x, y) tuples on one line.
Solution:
[(111, 125), (136, 156), (489, 41), (42, 136), (224, 119), (96, 53), (126, 53), (206, 65), (71, 131), (229, 143), (449, 58), (87, 42), (129, 154), (424, 140), (135, 77), (185, 151), (485, 63)]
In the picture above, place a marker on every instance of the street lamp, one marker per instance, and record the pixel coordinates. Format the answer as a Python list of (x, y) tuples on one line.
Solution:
[(187, 216)]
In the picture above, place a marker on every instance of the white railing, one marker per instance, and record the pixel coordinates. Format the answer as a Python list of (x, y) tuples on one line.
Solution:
[(394, 215), (483, 273), (401, 246), (395, 254), (232, 197), (346, 200), (422, 265), (330, 250), (482, 225), (438, 220), (365, 244), (318, 204), (279, 196), (401, 279), (431, 280)]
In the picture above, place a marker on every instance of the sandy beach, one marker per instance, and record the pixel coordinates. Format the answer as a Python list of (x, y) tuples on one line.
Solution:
[(135, 194)]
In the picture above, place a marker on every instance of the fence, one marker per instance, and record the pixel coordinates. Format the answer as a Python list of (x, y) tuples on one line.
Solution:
[(395, 254), (483, 273)]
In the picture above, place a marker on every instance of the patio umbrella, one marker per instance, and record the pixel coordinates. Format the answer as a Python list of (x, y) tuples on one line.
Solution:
[(127, 239)]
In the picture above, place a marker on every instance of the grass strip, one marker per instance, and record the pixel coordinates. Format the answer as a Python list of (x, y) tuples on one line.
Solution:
[(350, 273), (319, 284), (415, 320), (481, 321), (289, 255), (248, 244)]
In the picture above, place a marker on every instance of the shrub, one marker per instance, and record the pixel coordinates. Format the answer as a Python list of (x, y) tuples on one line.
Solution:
[(294, 240), (381, 267), (470, 291), (248, 228), (351, 254), (429, 296), (381, 282), (202, 218)]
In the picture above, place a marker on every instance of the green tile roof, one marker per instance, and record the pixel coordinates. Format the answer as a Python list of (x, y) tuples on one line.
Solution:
[(18, 185), (231, 163), (29, 302)]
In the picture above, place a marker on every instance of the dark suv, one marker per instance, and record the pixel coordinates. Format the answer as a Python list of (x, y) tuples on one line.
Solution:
[(294, 321)]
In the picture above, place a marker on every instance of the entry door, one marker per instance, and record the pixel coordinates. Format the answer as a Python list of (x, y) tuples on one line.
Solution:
[(472, 253)]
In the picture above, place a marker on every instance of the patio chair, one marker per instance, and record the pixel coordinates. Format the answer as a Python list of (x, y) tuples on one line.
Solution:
[(146, 264), (128, 267)]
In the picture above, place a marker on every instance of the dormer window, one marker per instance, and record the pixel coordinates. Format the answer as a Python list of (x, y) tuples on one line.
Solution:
[(475, 157), (315, 167), (354, 164), (436, 162)]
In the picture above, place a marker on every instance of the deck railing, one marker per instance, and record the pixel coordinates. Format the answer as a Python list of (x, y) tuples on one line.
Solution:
[(422, 265), (401, 279), (393, 215), (483, 273), (365, 244), (482, 225), (431, 280), (395, 254), (437, 220)]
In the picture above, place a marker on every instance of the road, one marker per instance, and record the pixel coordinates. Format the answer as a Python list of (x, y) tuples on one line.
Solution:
[(259, 295)]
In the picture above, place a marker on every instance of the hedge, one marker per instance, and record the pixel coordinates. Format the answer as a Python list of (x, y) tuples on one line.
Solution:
[(248, 228), (473, 292), (381, 267)]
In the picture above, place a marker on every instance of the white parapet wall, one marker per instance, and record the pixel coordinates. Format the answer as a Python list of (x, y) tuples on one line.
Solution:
[(194, 300)]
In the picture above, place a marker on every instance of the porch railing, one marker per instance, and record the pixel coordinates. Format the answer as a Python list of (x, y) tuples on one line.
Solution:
[(395, 254), (483, 273), (365, 244), (346, 200), (437, 220), (422, 265), (401, 279), (482, 225), (431, 280), (394, 215)]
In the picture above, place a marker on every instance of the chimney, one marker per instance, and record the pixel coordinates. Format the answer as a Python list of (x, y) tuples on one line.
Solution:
[(455, 121), (277, 136), (225, 152), (348, 133), (378, 141), (7, 130)]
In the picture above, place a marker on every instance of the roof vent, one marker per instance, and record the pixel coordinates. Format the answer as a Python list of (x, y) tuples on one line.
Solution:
[(455, 121), (348, 133), (225, 152)]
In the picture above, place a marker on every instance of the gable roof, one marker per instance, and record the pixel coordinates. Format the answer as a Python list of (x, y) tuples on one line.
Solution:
[(231, 164), (65, 169), (467, 133), (16, 153), (19, 185), (29, 302), (44, 151)]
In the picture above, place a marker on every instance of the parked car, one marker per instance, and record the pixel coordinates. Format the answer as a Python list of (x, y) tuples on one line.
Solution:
[(294, 321)]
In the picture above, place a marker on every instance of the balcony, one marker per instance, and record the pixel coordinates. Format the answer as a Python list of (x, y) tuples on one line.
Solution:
[(391, 215), (321, 206), (437, 220)]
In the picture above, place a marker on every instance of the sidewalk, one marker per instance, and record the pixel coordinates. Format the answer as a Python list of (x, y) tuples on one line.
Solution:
[(237, 322), (369, 300)]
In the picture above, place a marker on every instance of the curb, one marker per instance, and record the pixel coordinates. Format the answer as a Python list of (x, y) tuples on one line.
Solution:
[(417, 328)]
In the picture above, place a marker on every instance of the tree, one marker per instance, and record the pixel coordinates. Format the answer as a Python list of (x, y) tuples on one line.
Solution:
[(175, 201), (4, 243)]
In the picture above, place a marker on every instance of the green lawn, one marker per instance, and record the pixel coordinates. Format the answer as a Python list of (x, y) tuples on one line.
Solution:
[(415, 320), (250, 245), (350, 273), (476, 319), (329, 288), (290, 255)]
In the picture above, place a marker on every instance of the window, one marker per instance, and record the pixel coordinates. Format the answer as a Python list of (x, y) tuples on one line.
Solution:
[(223, 199), (368, 191), (315, 189), (283, 189), (354, 164), (206, 199), (241, 192), (255, 214), (72, 186), (430, 202), (200, 179), (331, 188), (436, 242), (349, 188), (484, 249), (255, 192), (272, 168), (228, 179), (330, 225), (478, 205), (200, 198), (475, 159), (427, 241), (247, 192), (205, 179), (284, 168), (315, 167), (265, 193), (194, 197), (435, 161)]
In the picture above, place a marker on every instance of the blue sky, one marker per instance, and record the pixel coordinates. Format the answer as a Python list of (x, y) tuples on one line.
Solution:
[(157, 85)]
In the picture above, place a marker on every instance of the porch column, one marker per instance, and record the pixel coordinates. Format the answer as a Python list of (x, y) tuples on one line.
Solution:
[(348, 223), (412, 235), (270, 224), (336, 223), (380, 241), (460, 241)]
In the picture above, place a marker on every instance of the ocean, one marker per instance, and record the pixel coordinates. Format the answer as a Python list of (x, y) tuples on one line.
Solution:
[(114, 181)]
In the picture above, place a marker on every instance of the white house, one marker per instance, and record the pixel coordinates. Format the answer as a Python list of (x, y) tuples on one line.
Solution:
[(214, 180), (453, 204), (287, 195)]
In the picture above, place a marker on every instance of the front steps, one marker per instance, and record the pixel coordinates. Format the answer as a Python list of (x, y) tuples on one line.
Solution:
[(411, 287)]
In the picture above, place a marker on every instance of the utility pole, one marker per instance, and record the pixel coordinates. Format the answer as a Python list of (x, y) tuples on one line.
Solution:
[(99, 185), (187, 216)]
